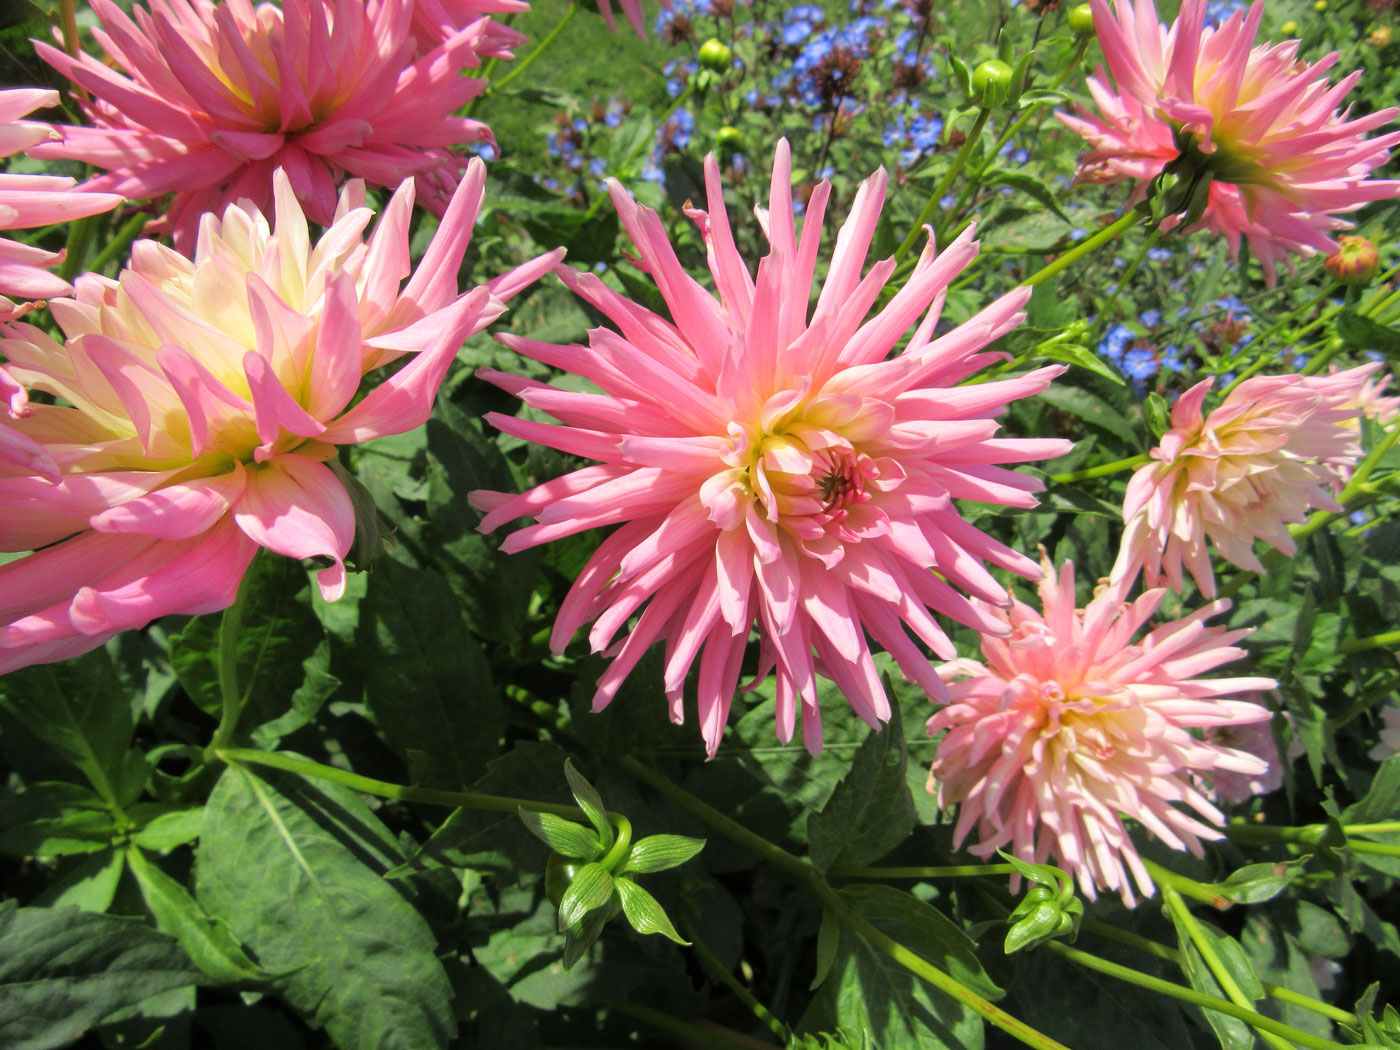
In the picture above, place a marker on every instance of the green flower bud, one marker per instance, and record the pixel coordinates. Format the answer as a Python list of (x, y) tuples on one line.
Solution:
[(1081, 19), (729, 140), (991, 77), (715, 55), (1289, 28)]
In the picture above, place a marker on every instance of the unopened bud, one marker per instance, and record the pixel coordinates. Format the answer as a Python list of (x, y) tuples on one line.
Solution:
[(991, 82), (1379, 36), (715, 55), (1081, 20), (1320, 6), (1289, 28), (729, 140), (1355, 261)]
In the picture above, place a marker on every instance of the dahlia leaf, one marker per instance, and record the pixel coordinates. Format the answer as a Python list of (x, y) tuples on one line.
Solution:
[(294, 869), (1157, 414), (563, 836), (828, 940), (55, 819), (428, 685), (659, 852), (1362, 333), (89, 885), (1256, 883), (207, 941), (1070, 354), (164, 832), (63, 970), (589, 801), (1029, 185), (871, 811), (77, 709), (591, 889), (1233, 1033)]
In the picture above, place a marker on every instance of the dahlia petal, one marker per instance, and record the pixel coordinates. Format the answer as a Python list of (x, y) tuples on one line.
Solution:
[(295, 507)]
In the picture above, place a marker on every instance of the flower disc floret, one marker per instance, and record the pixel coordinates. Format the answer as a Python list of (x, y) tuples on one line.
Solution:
[(215, 97), (198, 402), (1070, 727), (773, 470), (1256, 128)]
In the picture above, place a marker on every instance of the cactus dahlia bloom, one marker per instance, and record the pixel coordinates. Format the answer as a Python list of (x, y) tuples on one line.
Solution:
[(435, 21), (772, 469), (200, 403), (1070, 726), (1275, 448), (34, 200), (1271, 158), (218, 96)]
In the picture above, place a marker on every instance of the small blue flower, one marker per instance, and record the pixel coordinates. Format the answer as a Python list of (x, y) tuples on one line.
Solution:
[(1151, 318)]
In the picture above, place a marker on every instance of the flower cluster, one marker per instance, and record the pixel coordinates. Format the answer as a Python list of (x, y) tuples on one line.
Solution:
[(1267, 157), (1070, 726), (773, 469), (216, 97), (200, 402)]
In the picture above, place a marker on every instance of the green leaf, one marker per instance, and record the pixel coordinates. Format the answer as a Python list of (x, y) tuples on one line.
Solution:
[(588, 799), (660, 852), (1382, 799), (828, 940), (1233, 1033), (1093, 410), (643, 911), (90, 883), (496, 842), (425, 677), (282, 686), (871, 810), (1159, 416), (564, 837), (1256, 883), (1070, 354), (870, 993), (294, 869), (591, 889), (63, 970), (206, 940), (77, 709), (924, 930), (1363, 333), (1029, 185), (55, 818), (169, 830)]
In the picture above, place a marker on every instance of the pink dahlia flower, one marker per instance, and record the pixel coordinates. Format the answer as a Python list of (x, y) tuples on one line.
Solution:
[(632, 10), (1275, 448), (436, 21), (201, 401), (218, 96), (1070, 727), (1253, 738), (774, 470), (34, 200), (1260, 125)]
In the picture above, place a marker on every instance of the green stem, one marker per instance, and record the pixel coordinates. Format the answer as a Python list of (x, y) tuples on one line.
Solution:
[(702, 1034), (1266, 360), (1161, 951), (75, 252), (68, 19), (944, 183), (1312, 834), (1108, 308), (529, 60), (1125, 222), (1168, 879), (119, 243), (1197, 935), (1102, 470), (810, 877), (231, 698), (1387, 640), (773, 1023), (613, 858), (947, 871), (1189, 995), (383, 789)]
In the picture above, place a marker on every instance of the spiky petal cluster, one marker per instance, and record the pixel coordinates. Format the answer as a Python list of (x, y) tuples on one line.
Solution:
[(1070, 727), (435, 21), (217, 96), (200, 401), (34, 200), (1253, 738), (774, 470), (632, 11), (1275, 448), (1260, 123)]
